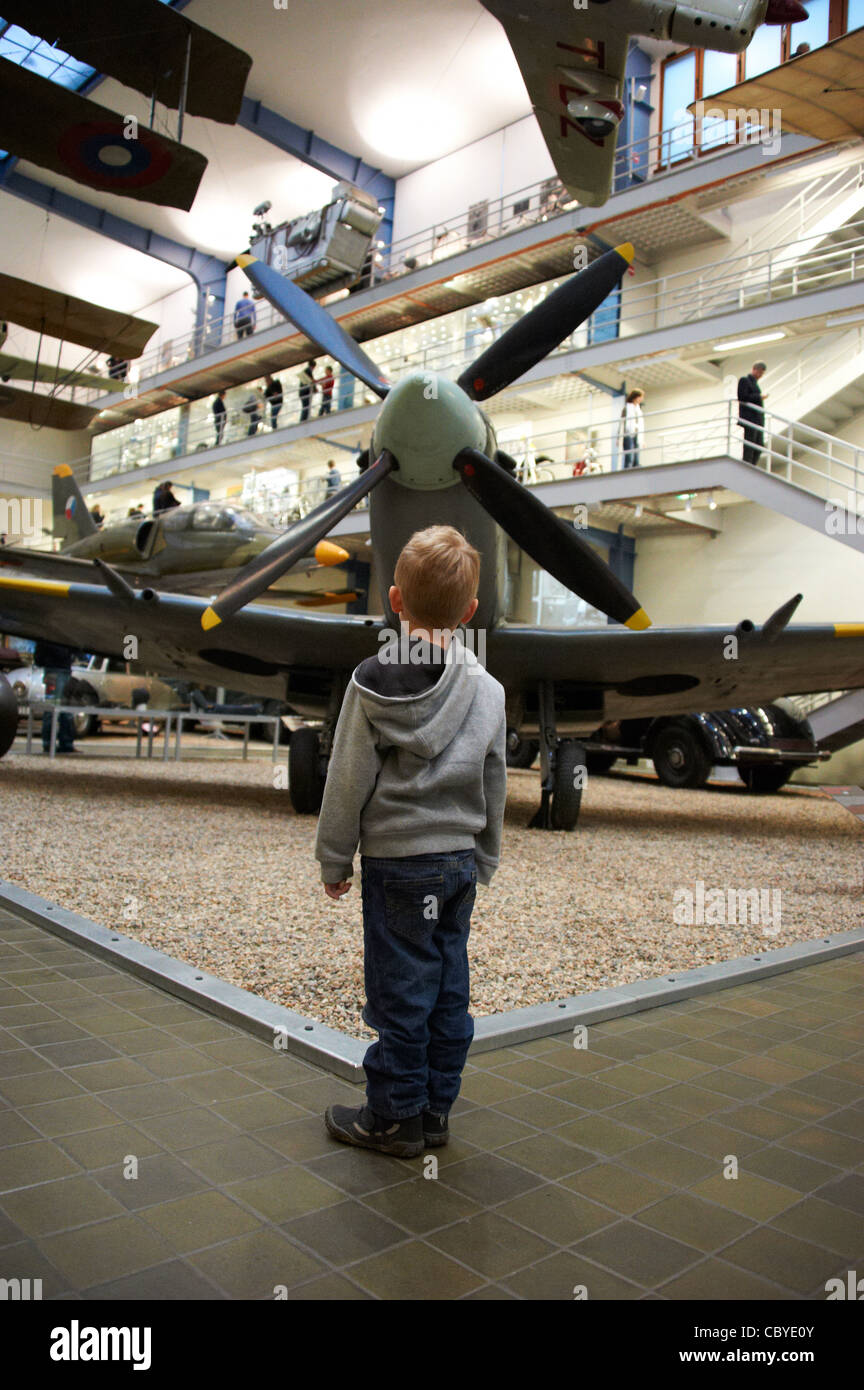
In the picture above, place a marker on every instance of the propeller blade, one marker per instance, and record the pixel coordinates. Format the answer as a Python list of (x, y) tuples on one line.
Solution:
[(547, 539), (267, 567), (313, 320), (541, 330)]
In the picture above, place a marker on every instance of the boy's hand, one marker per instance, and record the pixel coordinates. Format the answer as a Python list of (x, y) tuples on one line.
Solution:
[(337, 890)]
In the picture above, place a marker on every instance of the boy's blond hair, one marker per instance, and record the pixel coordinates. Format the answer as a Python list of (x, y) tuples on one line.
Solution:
[(437, 574)]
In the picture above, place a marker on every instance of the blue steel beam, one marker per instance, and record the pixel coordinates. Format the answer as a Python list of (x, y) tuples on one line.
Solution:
[(208, 272), (319, 154)]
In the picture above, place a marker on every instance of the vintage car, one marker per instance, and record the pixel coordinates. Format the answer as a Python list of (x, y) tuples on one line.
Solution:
[(96, 681), (766, 743)]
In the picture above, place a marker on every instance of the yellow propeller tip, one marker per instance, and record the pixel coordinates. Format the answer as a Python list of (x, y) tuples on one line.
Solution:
[(626, 250), (639, 621), (210, 618), (327, 553), (245, 259)]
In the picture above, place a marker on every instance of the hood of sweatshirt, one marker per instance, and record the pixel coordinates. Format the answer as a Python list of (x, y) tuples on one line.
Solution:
[(426, 723)]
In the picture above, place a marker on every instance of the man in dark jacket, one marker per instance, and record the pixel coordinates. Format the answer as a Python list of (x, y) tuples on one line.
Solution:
[(56, 662), (750, 412)]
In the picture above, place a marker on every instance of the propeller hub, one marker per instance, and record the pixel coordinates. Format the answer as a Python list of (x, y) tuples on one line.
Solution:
[(425, 422)]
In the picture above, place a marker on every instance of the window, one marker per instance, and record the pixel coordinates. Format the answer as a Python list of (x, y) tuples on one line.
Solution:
[(854, 16), (764, 50), (679, 91), (719, 71), (814, 29)]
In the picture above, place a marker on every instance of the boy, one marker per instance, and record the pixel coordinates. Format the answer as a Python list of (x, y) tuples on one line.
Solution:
[(418, 775)]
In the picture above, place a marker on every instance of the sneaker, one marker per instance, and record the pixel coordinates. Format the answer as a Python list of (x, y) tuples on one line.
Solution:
[(361, 1126), (436, 1132)]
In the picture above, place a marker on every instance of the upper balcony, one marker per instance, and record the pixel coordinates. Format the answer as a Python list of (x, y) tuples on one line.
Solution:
[(674, 195), (682, 316)]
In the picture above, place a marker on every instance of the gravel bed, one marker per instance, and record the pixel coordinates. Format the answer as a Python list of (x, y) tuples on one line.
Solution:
[(208, 862)]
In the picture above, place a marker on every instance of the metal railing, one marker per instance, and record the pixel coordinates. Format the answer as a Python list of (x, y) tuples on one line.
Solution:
[(666, 301), (662, 153)]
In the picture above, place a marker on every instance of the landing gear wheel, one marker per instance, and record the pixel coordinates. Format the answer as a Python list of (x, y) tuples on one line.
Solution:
[(680, 759), (523, 752), (8, 716), (764, 780), (569, 783), (306, 777)]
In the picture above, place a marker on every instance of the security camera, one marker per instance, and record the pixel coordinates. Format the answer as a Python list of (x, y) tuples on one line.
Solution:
[(594, 118), (261, 209)]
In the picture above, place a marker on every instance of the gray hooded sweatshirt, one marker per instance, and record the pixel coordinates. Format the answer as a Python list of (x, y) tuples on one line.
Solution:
[(421, 773)]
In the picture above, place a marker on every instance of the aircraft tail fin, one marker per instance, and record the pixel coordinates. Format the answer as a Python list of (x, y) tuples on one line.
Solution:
[(71, 519)]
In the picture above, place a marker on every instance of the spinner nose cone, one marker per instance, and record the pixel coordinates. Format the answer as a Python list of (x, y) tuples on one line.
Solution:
[(785, 12), (425, 422)]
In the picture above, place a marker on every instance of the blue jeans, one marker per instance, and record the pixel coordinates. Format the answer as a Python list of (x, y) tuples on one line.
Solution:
[(65, 722), (631, 451), (416, 920)]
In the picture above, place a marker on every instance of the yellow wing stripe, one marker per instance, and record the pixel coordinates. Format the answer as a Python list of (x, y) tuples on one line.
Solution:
[(36, 586)]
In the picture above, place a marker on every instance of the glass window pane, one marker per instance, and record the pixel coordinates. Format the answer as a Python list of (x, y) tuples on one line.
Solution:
[(855, 15), (814, 29), (679, 90), (719, 71), (764, 50)]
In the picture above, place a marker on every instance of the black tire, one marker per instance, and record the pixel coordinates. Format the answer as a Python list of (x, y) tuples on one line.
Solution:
[(524, 753), (599, 762), (762, 781), (305, 776), (567, 791), (8, 716), (680, 757)]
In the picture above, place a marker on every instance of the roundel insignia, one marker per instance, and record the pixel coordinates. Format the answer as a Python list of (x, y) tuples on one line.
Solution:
[(98, 153), (70, 508)]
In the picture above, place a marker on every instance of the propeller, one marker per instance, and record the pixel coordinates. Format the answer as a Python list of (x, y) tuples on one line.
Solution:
[(272, 563), (533, 526), (539, 332), (313, 320), (555, 546)]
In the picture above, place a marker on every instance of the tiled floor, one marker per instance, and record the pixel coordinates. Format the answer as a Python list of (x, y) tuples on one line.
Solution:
[(609, 1167)]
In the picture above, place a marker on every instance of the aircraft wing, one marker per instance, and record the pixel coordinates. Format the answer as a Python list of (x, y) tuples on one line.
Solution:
[(610, 673), (72, 569), (561, 60), (20, 369)]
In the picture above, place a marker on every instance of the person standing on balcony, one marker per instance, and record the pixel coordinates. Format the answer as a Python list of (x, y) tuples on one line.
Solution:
[(326, 383), (220, 415), (751, 414), (254, 408), (334, 478), (244, 316), (273, 392), (308, 384), (631, 428)]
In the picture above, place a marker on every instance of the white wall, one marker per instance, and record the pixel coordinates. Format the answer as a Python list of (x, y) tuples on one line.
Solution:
[(498, 165), (757, 562)]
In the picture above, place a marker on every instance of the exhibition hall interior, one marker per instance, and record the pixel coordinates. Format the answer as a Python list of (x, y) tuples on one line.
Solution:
[(432, 656)]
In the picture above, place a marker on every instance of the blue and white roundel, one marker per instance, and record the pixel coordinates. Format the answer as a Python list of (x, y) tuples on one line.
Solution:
[(71, 503)]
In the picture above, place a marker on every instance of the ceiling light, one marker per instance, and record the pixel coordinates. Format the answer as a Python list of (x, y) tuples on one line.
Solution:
[(638, 511), (712, 503), (749, 342)]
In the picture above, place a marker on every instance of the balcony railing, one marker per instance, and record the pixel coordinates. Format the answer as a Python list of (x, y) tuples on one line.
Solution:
[(662, 153)]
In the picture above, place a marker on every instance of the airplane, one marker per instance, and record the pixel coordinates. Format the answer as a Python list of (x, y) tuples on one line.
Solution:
[(194, 548), (436, 460), (572, 57)]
